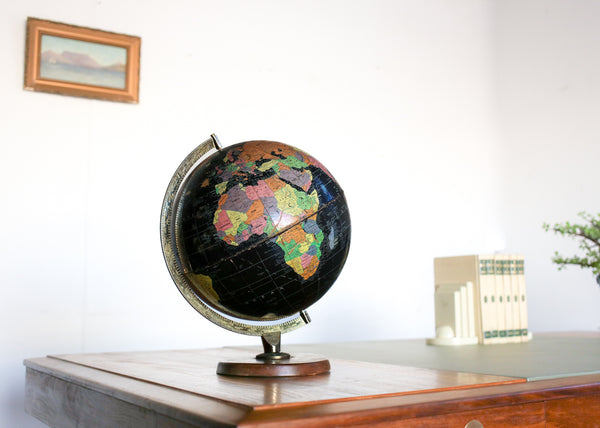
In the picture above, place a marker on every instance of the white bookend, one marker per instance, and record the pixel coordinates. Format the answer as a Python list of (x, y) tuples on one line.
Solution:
[(464, 312), (470, 310), (474, 269), (453, 315), (448, 311)]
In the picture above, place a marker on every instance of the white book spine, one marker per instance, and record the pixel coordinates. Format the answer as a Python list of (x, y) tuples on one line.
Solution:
[(508, 307), (514, 301), (488, 309), (500, 299), (520, 275)]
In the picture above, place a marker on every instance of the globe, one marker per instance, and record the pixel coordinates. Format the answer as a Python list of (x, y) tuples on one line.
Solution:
[(254, 233)]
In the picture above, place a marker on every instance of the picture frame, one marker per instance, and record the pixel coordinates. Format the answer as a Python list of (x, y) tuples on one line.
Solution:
[(83, 62)]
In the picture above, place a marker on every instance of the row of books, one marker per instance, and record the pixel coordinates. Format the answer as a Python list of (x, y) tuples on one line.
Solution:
[(482, 298)]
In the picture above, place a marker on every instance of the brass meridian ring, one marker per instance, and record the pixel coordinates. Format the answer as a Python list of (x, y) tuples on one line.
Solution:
[(173, 255)]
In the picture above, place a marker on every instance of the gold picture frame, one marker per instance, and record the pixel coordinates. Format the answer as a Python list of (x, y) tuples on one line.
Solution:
[(82, 62)]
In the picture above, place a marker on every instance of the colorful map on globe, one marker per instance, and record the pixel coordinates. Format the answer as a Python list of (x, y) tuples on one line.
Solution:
[(276, 203), (265, 230)]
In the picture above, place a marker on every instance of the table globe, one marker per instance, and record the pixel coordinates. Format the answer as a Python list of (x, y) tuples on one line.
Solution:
[(253, 234)]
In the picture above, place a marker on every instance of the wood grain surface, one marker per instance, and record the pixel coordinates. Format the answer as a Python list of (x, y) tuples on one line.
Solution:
[(521, 416), (195, 371), (578, 411)]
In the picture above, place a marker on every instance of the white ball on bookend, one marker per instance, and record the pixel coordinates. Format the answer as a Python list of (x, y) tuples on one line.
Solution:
[(444, 332)]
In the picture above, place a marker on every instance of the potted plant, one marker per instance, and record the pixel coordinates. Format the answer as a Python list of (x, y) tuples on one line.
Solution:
[(588, 236)]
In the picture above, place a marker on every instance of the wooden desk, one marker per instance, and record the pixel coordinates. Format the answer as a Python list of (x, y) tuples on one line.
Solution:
[(557, 384)]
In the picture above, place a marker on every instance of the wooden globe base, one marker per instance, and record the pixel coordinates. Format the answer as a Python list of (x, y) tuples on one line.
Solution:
[(296, 365)]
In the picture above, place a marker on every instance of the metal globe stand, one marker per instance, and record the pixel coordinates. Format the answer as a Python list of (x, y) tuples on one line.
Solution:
[(270, 363)]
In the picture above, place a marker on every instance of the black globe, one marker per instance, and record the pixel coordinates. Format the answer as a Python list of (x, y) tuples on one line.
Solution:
[(264, 229)]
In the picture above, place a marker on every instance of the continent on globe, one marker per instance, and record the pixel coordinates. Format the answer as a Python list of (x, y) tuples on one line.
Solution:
[(272, 204), (265, 228)]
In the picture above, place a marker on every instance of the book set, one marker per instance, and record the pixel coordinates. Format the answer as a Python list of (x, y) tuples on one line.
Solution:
[(480, 299)]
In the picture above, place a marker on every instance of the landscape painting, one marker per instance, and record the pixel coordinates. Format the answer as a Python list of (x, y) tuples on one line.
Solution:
[(79, 61)]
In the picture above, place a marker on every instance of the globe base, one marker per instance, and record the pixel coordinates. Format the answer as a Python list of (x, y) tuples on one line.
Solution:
[(296, 365), (274, 363)]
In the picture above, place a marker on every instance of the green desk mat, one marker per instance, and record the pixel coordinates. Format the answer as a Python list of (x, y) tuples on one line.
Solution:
[(544, 357)]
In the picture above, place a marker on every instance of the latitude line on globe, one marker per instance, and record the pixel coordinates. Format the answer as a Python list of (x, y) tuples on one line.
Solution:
[(323, 207)]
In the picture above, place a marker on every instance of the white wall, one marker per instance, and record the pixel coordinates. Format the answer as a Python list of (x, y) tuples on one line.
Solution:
[(547, 94), (415, 106)]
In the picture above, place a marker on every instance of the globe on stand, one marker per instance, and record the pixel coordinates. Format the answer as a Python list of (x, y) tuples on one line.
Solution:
[(253, 234)]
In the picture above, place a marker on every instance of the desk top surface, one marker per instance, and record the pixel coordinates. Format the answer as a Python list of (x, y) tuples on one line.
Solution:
[(359, 369), (399, 379), (194, 371), (547, 356)]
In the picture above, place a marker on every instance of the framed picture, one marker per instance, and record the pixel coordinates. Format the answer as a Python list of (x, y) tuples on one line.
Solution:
[(71, 60)]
